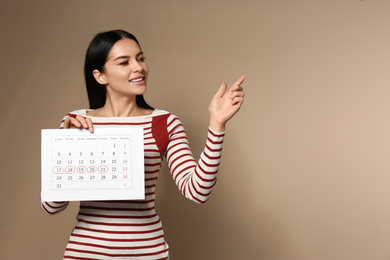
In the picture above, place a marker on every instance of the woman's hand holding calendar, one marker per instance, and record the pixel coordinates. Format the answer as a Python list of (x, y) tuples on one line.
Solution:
[(77, 121)]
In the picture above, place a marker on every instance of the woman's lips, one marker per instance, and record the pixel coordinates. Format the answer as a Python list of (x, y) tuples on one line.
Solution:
[(138, 80)]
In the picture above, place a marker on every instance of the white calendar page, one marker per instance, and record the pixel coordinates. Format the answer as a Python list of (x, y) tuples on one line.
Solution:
[(105, 165)]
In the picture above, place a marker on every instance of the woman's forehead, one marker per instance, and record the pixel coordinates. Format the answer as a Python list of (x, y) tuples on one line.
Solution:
[(124, 47)]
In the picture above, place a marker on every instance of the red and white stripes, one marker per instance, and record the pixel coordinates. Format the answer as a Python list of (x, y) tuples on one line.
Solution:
[(132, 229)]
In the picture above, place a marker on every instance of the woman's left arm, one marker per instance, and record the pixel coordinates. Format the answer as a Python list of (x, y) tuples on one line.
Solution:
[(196, 179)]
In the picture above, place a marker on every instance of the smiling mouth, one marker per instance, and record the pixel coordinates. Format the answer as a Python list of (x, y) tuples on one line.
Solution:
[(137, 80)]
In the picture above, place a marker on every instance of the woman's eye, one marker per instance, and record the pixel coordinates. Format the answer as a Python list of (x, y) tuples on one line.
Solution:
[(142, 59), (124, 63)]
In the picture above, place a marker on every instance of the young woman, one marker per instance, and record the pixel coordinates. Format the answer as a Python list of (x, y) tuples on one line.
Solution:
[(116, 77)]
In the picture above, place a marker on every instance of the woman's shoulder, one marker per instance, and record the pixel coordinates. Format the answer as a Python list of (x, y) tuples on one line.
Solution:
[(74, 113), (159, 112), (168, 114), (82, 112)]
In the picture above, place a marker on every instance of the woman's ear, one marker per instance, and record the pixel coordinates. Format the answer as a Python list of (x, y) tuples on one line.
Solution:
[(100, 77)]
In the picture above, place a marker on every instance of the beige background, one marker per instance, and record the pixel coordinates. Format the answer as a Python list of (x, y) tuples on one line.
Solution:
[(305, 172)]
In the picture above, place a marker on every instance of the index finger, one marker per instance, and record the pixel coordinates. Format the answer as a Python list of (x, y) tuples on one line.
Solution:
[(240, 80), (86, 122), (82, 121), (90, 124)]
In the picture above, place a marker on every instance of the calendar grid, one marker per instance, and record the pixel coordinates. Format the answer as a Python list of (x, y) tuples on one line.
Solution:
[(84, 162), (80, 161)]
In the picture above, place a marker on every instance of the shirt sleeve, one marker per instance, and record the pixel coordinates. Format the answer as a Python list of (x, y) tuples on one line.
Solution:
[(54, 207), (194, 180)]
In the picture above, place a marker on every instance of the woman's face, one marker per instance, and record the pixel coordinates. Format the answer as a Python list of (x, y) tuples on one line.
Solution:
[(125, 72)]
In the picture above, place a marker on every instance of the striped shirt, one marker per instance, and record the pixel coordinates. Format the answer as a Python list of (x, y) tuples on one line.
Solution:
[(132, 229)]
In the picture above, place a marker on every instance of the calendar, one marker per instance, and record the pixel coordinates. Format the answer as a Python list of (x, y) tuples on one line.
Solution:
[(105, 165)]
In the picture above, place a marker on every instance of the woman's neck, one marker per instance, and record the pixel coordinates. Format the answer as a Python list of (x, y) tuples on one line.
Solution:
[(121, 107)]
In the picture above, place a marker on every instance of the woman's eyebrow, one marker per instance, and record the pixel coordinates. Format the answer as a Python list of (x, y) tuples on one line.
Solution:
[(128, 57), (140, 54), (122, 57)]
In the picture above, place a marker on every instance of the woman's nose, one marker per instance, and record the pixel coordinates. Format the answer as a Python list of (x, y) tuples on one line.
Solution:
[(137, 66)]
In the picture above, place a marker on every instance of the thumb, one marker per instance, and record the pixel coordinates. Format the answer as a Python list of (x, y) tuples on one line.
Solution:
[(221, 90)]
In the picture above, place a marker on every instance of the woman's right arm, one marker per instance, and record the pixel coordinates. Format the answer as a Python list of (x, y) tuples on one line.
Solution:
[(69, 121), (54, 207)]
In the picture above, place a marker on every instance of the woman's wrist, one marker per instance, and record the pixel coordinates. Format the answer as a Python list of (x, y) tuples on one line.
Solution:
[(216, 127)]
